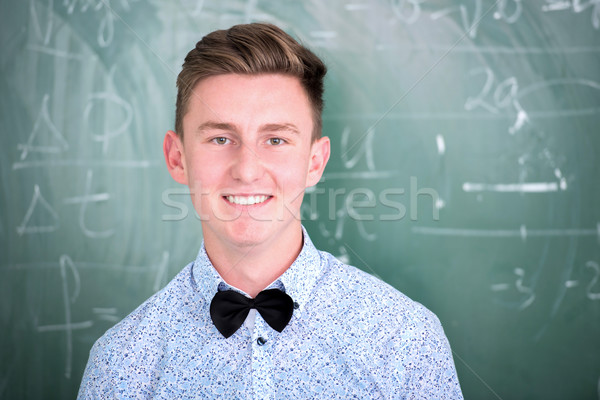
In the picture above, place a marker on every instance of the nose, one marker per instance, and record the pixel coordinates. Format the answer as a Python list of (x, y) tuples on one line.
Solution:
[(247, 166)]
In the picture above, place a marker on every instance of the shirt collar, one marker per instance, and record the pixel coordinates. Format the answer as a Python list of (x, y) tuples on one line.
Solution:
[(297, 281)]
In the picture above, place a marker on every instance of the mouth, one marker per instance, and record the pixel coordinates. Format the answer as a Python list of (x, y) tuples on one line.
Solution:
[(247, 200)]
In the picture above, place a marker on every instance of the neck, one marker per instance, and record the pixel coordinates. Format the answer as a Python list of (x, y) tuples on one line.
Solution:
[(251, 268)]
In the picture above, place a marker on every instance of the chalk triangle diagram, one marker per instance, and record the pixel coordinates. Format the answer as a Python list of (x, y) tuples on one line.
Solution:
[(39, 210), (48, 140)]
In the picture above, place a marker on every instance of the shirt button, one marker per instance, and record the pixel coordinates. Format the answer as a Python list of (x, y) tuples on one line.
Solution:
[(261, 341)]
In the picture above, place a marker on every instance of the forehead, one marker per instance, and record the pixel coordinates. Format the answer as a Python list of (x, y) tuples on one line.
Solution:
[(249, 99)]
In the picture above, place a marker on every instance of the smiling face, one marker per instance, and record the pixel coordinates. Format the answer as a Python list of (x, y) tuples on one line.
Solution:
[(247, 156)]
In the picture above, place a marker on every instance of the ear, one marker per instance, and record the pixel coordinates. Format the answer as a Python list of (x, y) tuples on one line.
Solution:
[(175, 157), (319, 155)]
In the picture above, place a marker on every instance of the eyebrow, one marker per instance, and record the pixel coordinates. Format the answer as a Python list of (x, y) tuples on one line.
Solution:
[(225, 126)]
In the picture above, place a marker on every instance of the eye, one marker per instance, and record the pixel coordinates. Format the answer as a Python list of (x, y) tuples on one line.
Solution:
[(221, 140), (276, 141)]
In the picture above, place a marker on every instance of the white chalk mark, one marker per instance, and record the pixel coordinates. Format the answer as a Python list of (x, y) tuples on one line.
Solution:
[(492, 49), (65, 327), (366, 148), (523, 289), (593, 295), (359, 175), (106, 30), (45, 36), (357, 7), (557, 82), (60, 144), (470, 27), (343, 255), (400, 10), (498, 287), (533, 187), (85, 200), (161, 274), (440, 203), (65, 261), (441, 144), (106, 314), (503, 233), (556, 6), (453, 116), (85, 163), (37, 198), (571, 284), (109, 318), (108, 134), (81, 199), (104, 310), (523, 231), (67, 308), (57, 53), (501, 12), (519, 122), (578, 7)]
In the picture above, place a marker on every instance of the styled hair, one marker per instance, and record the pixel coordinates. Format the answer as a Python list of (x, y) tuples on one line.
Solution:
[(251, 49)]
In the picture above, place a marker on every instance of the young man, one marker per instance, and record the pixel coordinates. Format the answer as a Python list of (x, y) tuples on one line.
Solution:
[(261, 313)]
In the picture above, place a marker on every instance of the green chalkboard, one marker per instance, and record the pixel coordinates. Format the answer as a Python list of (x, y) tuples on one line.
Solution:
[(465, 172)]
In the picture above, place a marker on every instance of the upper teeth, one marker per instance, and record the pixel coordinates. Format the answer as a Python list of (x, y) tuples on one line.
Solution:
[(247, 200)]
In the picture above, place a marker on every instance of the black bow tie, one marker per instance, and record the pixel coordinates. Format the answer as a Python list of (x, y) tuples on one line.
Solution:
[(229, 309)]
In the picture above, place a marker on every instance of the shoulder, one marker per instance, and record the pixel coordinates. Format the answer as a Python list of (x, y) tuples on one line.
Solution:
[(159, 308), (136, 343), (384, 334), (365, 302)]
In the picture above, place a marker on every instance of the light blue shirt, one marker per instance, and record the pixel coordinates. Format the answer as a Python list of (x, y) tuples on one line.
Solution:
[(351, 336)]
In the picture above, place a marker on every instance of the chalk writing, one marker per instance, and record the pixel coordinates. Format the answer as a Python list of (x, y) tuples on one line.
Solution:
[(577, 6), (589, 290), (407, 11), (38, 201), (106, 28), (365, 149), (54, 140), (42, 34), (109, 133), (501, 100), (503, 13), (469, 24), (505, 233), (86, 199), (528, 293), (67, 264)]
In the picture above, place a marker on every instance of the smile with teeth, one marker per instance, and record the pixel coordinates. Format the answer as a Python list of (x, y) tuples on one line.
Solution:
[(247, 200)]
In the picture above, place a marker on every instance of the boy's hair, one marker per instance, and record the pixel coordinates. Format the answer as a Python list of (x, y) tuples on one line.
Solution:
[(251, 49)]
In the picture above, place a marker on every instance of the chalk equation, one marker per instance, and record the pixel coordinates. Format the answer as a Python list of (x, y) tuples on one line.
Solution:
[(525, 293), (70, 272)]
